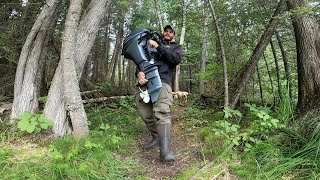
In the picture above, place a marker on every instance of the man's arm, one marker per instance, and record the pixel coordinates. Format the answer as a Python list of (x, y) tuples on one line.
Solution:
[(173, 56)]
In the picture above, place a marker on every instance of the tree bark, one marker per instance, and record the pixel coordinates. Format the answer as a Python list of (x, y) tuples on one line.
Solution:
[(87, 30), (158, 14), (223, 56), (260, 84), (25, 88), (276, 62), (71, 90), (183, 33), (286, 65), (306, 29), (270, 79), (204, 53), (238, 83)]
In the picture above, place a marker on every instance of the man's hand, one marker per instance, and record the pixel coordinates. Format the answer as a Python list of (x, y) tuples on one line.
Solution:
[(142, 78), (153, 43)]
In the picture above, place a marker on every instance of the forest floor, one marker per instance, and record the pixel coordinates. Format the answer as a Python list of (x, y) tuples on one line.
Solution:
[(185, 149), (186, 145)]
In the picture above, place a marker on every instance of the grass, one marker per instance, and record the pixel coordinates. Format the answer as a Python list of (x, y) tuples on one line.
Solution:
[(109, 153), (103, 156)]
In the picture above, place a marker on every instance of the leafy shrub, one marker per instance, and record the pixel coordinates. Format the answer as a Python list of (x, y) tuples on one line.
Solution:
[(244, 139), (33, 123)]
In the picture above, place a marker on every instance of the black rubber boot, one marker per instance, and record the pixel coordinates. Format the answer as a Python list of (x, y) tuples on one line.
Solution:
[(164, 136), (155, 138)]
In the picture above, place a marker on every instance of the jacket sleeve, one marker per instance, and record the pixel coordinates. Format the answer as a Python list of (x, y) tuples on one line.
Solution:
[(137, 71), (174, 56)]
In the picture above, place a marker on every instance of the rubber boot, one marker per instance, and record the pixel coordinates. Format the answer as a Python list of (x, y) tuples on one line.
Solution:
[(164, 136), (155, 138)]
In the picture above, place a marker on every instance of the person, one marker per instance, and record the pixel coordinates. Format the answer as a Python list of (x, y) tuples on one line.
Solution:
[(157, 115)]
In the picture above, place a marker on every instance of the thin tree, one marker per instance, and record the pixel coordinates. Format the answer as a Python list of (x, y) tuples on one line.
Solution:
[(158, 14), (204, 53), (238, 83), (71, 90), (182, 36), (286, 65), (276, 62), (222, 53), (270, 79), (260, 84)]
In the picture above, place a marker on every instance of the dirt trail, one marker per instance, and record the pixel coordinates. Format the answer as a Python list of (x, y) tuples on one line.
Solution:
[(186, 150)]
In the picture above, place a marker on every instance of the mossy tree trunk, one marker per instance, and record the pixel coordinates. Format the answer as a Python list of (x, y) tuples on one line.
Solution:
[(306, 29)]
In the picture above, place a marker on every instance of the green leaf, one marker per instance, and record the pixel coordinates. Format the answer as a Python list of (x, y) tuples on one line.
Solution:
[(252, 139), (274, 121), (234, 129), (22, 125), (33, 119), (266, 117), (44, 125), (25, 116), (115, 139), (248, 145), (30, 128), (41, 118), (260, 115), (238, 113), (37, 129), (235, 141)]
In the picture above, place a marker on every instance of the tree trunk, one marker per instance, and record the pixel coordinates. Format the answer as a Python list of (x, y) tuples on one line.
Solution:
[(270, 79), (286, 65), (260, 84), (25, 88), (238, 83), (204, 53), (223, 56), (276, 62), (87, 30), (115, 57), (306, 29), (158, 14), (71, 90), (183, 33), (253, 88)]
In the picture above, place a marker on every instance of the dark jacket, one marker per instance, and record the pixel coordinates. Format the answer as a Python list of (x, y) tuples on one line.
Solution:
[(169, 55)]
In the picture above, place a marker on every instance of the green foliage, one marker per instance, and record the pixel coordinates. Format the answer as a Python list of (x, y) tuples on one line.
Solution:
[(228, 137), (105, 86), (33, 123), (195, 117), (281, 157), (66, 159), (3, 98), (43, 99), (285, 108), (105, 155), (231, 113), (301, 11)]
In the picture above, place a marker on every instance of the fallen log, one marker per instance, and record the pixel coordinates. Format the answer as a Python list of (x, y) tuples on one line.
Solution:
[(90, 92), (102, 99)]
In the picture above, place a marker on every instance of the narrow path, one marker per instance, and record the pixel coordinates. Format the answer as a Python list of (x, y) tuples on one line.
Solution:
[(186, 150)]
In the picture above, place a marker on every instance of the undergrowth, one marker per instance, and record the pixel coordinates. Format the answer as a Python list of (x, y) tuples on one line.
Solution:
[(104, 155), (268, 145)]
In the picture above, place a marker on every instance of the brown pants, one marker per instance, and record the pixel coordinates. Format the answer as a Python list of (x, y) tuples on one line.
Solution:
[(158, 112)]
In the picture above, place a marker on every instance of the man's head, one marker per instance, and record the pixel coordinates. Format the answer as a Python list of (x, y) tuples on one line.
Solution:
[(168, 33)]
